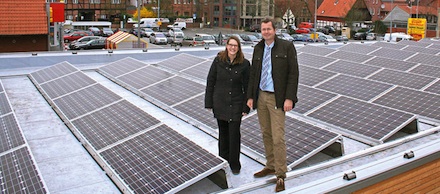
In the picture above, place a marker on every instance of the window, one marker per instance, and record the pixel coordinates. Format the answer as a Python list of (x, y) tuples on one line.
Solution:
[(75, 1), (95, 1), (229, 10), (116, 1), (216, 10)]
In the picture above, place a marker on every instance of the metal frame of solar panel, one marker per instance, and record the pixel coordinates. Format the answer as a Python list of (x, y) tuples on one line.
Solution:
[(190, 108), (434, 87), (358, 48), (349, 56), (104, 122), (414, 43), (388, 45), (18, 170), (303, 140)]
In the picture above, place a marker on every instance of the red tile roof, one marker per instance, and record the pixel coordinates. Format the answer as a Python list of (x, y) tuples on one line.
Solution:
[(335, 8), (23, 17), (421, 9)]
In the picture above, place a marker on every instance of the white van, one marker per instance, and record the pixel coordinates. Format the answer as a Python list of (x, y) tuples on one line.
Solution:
[(148, 23), (396, 37), (207, 39), (181, 25)]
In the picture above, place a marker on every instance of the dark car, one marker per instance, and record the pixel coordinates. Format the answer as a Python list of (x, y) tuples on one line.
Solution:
[(360, 36), (82, 40), (96, 31), (92, 44), (107, 32), (134, 31), (255, 28)]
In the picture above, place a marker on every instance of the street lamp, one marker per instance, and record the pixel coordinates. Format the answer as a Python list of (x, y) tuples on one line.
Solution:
[(316, 9)]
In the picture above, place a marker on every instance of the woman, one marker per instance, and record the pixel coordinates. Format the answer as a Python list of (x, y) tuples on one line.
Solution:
[(226, 95)]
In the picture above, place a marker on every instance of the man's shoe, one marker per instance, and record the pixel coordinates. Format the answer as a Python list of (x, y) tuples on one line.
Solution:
[(280, 185), (264, 173), (235, 172)]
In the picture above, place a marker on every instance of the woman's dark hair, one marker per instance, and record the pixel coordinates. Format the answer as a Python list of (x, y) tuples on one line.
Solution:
[(267, 20), (224, 54)]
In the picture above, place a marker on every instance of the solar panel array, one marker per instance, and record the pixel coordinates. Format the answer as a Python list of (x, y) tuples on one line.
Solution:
[(181, 93), (18, 171), (406, 71), (140, 154)]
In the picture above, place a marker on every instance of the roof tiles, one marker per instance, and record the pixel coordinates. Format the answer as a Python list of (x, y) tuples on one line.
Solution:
[(335, 8), (23, 17)]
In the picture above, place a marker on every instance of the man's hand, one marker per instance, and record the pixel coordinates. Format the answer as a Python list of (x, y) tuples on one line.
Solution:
[(288, 105)]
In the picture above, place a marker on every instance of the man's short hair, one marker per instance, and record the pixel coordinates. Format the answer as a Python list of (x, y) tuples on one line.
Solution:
[(267, 20)]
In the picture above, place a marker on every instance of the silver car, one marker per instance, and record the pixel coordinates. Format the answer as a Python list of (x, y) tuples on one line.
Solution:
[(158, 38)]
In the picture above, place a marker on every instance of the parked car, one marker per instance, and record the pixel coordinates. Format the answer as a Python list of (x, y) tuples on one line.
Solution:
[(147, 32), (158, 38), (217, 39), (76, 35), (192, 41), (242, 42), (91, 44), (371, 36), (305, 25), (341, 38), (134, 31), (176, 31), (286, 36), (329, 38), (107, 32), (207, 39), (255, 28), (96, 31), (360, 36), (247, 39), (297, 37), (254, 39), (82, 40), (302, 31), (177, 40)]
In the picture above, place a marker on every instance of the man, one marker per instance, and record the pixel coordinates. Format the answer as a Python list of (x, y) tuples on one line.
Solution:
[(273, 86)]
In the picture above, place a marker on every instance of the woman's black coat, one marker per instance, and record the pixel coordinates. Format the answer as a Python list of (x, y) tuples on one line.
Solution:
[(226, 89)]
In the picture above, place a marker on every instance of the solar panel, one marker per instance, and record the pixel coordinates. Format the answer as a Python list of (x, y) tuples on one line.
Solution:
[(86, 100), (352, 68), (434, 46), (430, 40), (311, 76), (426, 59), (388, 45), (391, 63), (317, 50), (139, 79), (53, 72), (354, 87), (66, 84), (361, 119), (314, 60), (434, 88), (18, 174), (10, 133), (181, 62), (160, 161), (122, 66), (113, 123), (413, 43), (200, 71), (174, 90), (392, 53), (421, 50), (310, 98), (195, 109), (402, 78), (427, 70), (4, 104), (302, 139), (350, 56), (416, 102), (358, 48)]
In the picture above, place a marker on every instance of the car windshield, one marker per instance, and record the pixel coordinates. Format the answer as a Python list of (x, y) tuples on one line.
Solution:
[(177, 30), (106, 29), (208, 38), (198, 39), (179, 36), (160, 35), (148, 30)]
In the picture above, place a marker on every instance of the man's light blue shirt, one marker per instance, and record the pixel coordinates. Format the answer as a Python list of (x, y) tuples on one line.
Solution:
[(269, 85)]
